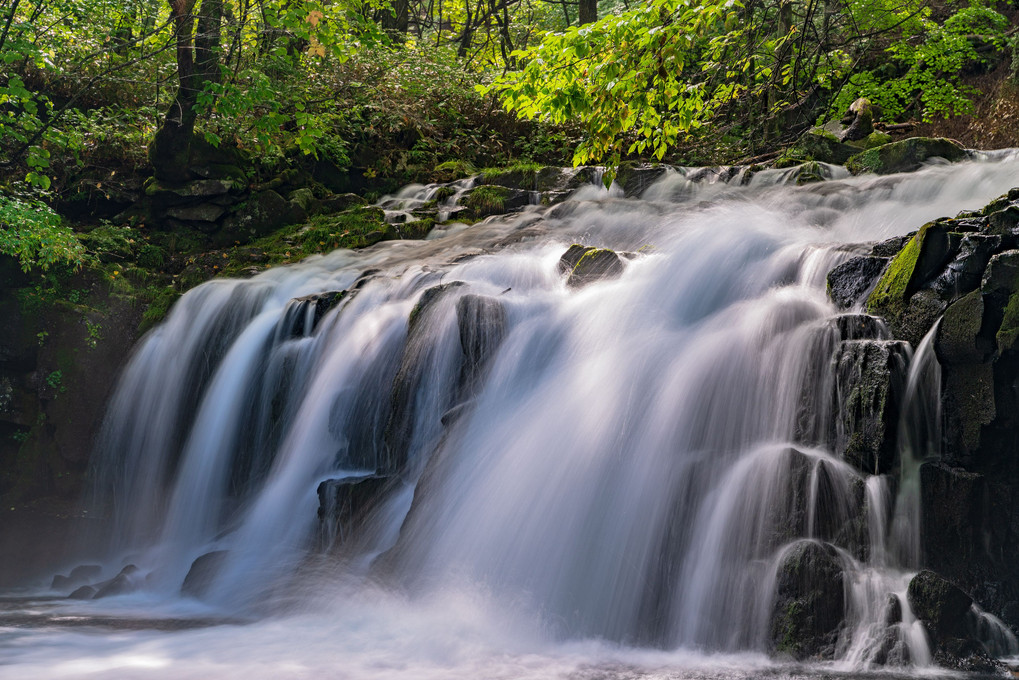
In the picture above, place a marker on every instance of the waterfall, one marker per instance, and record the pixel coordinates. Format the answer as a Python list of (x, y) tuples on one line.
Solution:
[(644, 459)]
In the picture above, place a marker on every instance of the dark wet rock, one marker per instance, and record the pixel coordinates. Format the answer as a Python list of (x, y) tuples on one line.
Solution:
[(595, 264), (83, 573), (419, 350), (307, 312), (893, 611), (954, 505), (341, 202), (201, 212), (83, 593), (481, 321), (344, 502), (939, 603), (870, 377), (203, 572), (860, 327), (905, 156), (851, 282), (817, 144), (968, 656), (429, 299), (892, 651), (810, 603), (635, 179), (958, 340), (124, 582), (964, 272), (261, 214), (571, 257)]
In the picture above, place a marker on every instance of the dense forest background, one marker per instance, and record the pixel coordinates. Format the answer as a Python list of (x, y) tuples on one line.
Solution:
[(95, 95)]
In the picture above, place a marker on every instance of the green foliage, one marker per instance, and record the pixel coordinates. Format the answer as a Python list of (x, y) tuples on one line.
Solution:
[(931, 58), (32, 233)]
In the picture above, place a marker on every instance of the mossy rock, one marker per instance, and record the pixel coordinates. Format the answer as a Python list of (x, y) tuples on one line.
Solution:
[(874, 139), (958, 340), (938, 602), (595, 264), (810, 602), (519, 176), (487, 200), (816, 144), (904, 156), (922, 256)]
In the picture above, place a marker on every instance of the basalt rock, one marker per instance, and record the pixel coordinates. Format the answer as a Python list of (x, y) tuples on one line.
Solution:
[(965, 272), (870, 378), (851, 282)]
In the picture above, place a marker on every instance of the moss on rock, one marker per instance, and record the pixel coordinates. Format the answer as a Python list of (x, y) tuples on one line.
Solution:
[(904, 156)]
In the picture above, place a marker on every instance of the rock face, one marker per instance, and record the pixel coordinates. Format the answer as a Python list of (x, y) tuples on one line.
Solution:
[(870, 378), (810, 601), (938, 603), (965, 272)]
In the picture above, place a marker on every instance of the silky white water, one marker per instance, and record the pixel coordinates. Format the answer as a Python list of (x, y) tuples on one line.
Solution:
[(610, 488)]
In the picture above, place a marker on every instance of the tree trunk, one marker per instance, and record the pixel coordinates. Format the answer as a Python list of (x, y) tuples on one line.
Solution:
[(197, 64), (398, 20), (588, 12)]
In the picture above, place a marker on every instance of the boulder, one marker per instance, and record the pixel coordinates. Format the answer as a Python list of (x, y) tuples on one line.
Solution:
[(958, 340), (851, 282), (83, 573), (481, 321), (595, 264), (83, 593), (810, 601), (939, 603), (202, 573), (124, 582), (905, 156)]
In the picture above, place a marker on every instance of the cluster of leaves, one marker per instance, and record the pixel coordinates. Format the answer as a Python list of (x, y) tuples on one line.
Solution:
[(645, 80), (928, 61), (32, 233)]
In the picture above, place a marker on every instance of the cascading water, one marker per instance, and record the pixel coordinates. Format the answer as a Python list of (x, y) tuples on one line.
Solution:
[(642, 460)]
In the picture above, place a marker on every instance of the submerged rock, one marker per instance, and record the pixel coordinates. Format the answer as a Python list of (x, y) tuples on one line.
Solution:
[(203, 572), (124, 582), (595, 264), (82, 574)]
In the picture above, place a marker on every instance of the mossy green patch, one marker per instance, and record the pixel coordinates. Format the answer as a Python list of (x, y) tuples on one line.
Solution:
[(892, 288), (487, 200), (1008, 332), (904, 156)]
